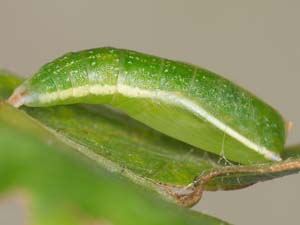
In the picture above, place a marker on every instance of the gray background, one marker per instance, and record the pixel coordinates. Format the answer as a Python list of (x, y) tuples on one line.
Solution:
[(254, 43)]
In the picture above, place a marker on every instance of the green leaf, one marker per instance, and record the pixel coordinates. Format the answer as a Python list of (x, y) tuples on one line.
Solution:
[(62, 187), (148, 157)]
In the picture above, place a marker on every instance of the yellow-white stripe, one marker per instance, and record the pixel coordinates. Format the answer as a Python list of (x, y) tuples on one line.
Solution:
[(169, 97)]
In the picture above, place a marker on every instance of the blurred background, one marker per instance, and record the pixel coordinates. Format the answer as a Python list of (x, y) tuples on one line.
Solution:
[(253, 43)]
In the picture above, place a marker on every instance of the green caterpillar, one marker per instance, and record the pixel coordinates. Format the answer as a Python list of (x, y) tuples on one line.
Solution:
[(181, 100)]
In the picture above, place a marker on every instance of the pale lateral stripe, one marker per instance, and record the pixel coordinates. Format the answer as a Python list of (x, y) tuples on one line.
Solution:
[(168, 97)]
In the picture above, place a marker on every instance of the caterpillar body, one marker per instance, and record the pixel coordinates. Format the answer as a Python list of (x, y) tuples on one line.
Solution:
[(181, 100)]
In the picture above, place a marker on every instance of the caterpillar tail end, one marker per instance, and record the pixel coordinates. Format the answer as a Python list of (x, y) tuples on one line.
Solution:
[(18, 97)]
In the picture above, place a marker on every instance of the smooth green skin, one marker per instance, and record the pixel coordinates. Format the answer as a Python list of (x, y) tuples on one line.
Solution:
[(226, 101)]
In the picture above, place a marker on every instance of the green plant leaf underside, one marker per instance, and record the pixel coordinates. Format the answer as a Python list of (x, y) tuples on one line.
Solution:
[(60, 186)]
